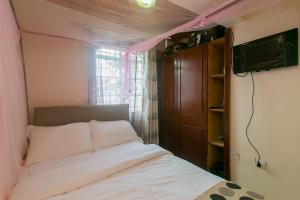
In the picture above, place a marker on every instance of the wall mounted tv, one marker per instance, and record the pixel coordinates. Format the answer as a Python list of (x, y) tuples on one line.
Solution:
[(280, 50)]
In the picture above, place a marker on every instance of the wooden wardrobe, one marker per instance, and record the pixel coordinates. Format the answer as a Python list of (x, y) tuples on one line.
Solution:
[(193, 88)]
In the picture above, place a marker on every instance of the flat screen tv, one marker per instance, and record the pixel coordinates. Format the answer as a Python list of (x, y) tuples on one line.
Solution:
[(279, 50)]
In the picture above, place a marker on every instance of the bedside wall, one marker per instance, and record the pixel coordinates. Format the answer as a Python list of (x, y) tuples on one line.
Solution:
[(275, 127), (57, 74), (56, 71)]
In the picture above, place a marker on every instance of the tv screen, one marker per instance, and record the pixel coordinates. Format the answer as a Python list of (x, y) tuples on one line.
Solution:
[(280, 50)]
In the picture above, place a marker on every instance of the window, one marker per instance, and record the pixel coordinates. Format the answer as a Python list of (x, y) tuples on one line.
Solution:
[(111, 84)]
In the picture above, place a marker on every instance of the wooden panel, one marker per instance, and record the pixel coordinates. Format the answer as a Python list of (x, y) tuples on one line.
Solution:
[(184, 129), (219, 70), (217, 143), (167, 85), (192, 120), (177, 84), (192, 101), (170, 116), (194, 145), (201, 90), (228, 66), (216, 99), (159, 67), (167, 129), (215, 154), (216, 92), (216, 66), (167, 118), (192, 78), (169, 136), (215, 125)]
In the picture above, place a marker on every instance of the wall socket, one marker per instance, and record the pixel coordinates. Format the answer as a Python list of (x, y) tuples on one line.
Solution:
[(237, 157), (262, 162)]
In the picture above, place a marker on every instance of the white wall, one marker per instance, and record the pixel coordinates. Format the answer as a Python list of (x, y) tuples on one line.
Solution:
[(276, 126), (56, 71)]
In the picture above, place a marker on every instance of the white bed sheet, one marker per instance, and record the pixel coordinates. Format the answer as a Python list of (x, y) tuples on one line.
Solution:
[(160, 176)]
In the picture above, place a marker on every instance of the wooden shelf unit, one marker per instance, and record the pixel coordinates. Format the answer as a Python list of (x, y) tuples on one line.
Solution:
[(191, 127), (217, 143), (217, 76), (219, 42), (219, 66), (216, 109)]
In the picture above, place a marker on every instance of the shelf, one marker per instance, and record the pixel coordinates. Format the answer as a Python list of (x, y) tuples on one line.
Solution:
[(219, 51), (217, 143), (219, 42), (217, 76), (216, 109)]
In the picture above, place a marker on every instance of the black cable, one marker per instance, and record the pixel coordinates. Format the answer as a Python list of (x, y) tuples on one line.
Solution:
[(252, 107), (250, 120)]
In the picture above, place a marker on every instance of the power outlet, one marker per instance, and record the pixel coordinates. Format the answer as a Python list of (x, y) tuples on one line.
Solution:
[(262, 162)]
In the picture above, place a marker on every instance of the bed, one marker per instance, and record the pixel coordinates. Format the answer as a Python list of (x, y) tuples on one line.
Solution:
[(127, 171)]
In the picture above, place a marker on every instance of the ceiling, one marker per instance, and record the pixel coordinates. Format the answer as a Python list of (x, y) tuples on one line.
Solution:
[(197, 6), (110, 22), (164, 16)]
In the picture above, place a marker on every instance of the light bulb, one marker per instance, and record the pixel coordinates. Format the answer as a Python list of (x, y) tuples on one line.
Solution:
[(146, 3)]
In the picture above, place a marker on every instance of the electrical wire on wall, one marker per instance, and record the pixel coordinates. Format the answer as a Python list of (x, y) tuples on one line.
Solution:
[(258, 164), (250, 120)]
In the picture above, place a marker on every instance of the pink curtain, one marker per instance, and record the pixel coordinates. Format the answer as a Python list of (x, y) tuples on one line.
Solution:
[(93, 91), (13, 112), (222, 13)]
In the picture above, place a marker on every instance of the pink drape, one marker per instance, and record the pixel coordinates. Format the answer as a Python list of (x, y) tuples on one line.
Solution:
[(220, 14), (13, 112)]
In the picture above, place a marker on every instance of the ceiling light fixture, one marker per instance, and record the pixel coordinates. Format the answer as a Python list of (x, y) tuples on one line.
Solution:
[(146, 3)]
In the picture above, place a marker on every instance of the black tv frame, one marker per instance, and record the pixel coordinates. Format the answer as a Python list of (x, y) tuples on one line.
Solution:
[(288, 56)]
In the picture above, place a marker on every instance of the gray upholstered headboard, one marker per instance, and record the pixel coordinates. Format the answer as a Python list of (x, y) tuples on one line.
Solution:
[(54, 116)]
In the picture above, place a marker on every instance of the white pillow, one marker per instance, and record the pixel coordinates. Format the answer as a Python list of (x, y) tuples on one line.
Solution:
[(51, 143), (111, 133)]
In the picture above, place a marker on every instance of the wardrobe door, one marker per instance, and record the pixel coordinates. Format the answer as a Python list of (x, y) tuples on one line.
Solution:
[(168, 139), (191, 92), (167, 119), (167, 85)]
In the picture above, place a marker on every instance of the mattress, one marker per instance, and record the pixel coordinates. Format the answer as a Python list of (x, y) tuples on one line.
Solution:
[(128, 171)]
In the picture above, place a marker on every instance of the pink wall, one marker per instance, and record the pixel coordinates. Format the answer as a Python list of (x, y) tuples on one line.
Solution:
[(56, 71), (13, 113)]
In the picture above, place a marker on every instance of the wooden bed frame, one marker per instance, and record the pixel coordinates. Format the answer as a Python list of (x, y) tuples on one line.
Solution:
[(54, 116)]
